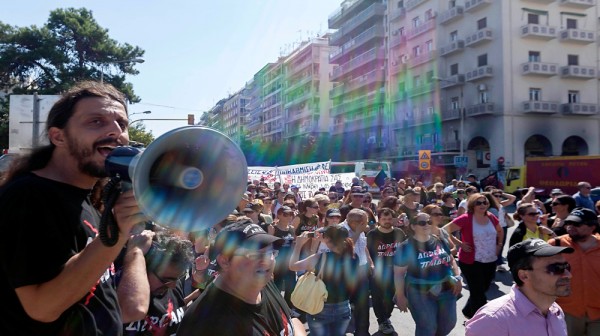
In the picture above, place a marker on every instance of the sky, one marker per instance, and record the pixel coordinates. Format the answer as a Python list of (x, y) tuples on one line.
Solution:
[(196, 51)]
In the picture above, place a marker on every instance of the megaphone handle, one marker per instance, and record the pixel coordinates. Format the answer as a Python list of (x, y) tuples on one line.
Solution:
[(108, 229)]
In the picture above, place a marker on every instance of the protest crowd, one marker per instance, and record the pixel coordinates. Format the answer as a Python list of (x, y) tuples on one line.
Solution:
[(414, 249)]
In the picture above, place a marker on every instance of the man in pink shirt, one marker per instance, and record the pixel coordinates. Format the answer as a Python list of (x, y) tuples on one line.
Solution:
[(541, 274)]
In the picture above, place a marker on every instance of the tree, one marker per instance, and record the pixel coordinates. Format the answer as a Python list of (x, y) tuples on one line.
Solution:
[(139, 134), (68, 48)]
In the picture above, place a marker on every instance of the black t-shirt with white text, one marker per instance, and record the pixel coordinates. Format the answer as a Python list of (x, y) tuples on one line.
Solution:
[(44, 223), (383, 246)]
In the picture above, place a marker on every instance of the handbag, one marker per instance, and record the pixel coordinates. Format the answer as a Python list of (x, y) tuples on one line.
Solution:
[(310, 292)]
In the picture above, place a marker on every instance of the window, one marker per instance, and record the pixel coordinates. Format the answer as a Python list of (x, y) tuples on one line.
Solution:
[(454, 36), (454, 103), (401, 31), (429, 46), (573, 96), (573, 59), (401, 4), (417, 51), (535, 94), (401, 87), (483, 97), (482, 60), (534, 56), (482, 23), (416, 22), (429, 76), (451, 3), (417, 81), (454, 69), (533, 18), (428, 15), (571, 24)]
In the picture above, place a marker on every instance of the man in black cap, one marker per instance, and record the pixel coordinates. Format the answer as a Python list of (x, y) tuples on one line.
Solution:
[(243, 300), (357, 196), (472, 178), (581, 307), (541, 274)]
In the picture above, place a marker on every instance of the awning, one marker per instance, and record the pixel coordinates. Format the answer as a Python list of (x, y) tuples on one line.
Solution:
[(535, 11), (573, 14)]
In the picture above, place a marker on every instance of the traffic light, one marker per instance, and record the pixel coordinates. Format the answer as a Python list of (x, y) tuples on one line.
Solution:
[(191, 119)]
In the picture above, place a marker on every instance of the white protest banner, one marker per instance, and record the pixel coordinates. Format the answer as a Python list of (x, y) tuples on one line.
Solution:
[(305, 168), (310, 183), (269, 174)]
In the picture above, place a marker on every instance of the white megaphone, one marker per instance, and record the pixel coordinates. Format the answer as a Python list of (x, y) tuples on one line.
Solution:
[(188, 179)]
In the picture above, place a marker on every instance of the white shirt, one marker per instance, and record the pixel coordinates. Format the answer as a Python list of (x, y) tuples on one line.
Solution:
[(360, 246), (484, 237)]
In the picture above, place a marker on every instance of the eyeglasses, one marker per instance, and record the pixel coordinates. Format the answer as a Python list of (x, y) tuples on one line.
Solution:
[(436, 214), (478, 203), (358, 196), (256, 256), (578, 224), (497, 195), (423, 223), (556, 203), (586, 187), (532, 214), (367, 201), (316, 206), (167, 281), (558, 268)]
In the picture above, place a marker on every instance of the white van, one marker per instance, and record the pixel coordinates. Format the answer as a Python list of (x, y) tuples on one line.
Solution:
[(367, 169)]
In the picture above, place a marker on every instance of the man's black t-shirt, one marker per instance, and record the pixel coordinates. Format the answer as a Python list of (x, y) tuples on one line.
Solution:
[(383, 246), (164, 315), (219, 313), (44, 223)]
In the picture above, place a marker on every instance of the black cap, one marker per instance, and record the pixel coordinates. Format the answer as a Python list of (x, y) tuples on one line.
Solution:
[(534, 247), (244, 234), (472, 175), (357, 190), (410, 191), (333, 212), (334, 231), (582, 215), (285, 209)]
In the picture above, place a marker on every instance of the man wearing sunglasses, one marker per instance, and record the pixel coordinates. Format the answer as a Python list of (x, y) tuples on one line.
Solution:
[(242, 300), (582, 197), (581, 307), (541, 275)]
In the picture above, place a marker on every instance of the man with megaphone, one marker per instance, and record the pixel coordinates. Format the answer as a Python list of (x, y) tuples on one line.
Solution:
[(56, 276)]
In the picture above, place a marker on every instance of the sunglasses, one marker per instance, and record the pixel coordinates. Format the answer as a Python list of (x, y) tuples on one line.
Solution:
[(497, 195), (478, 203), (436, 214), (532, 214), (256, 256), (333, 199), (167, 281), (579, 224), (556, 203), (423, 223), (367, 201), (558, 268), (358, 196)]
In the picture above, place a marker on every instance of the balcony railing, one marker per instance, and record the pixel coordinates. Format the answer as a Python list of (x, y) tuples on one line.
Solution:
[(376, 9), (454, 80), (421, 120), (475, 5), (539, 69), (340, 15), (480, 73), (397, 14), (578, 3), (358, 61), (397, 40), (336, 91), (580, 108), (453, 47), (542, 107), (577, 36), (578, 72), (480, 109), (369, 78), (412, 4), (299, 114), (451, 114), (335, 53), (421, 89), (423, 58), (369, 34), (480, 36), (451, 15), (538, 31), (424, 27), (397, 66)]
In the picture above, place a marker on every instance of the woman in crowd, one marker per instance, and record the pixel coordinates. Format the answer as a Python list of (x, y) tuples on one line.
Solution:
[(410, 206), (561, 207), (324, 203), (481, 242), (499, 200), (284, 279), (448, 207), (368, 202), (332, 217), (528, 227), (427, 279), (340, 265), (436, 216), (307, 221)]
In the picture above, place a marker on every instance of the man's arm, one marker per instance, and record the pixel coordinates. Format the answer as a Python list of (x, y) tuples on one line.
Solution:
[(298, 327), (45, 302)]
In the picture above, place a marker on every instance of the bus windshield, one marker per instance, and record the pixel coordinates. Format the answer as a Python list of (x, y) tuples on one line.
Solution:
[(339, 168)]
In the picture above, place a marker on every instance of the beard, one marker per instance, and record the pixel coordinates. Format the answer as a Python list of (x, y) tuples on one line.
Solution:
[(577, 237), (84, 156)]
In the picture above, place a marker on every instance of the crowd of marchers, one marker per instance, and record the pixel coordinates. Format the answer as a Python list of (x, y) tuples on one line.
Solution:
[(415, 249)]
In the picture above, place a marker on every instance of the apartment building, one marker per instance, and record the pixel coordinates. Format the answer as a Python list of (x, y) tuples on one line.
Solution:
[(306, 90), (234, 115), (491, 79), (359, 76), (254, 89)]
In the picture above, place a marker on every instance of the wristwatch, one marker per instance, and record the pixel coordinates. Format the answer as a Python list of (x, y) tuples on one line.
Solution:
[(457, 277)]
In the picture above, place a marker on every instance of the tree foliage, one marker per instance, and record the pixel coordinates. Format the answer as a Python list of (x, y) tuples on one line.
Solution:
[(138, 133)]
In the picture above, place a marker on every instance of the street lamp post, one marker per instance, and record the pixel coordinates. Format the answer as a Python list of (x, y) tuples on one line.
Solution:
[(143, 112), (133, 60), (144, 119)]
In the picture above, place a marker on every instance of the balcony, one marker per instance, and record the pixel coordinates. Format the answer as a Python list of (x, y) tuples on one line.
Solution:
[(335, 39), (397, 40), (272, 130), (341, 15), (300, 82), (578, 3), (451, 15), (377, 31), (475, 5), (480, 73), (355, 104), (397, 14), (538, 31), (376, 9), (578, 72), (539, 69), (299, 114), (360, 60), (456, 46), (450, 114), (577, 36), (421, 120), (480, 36), (298, 99), (412, 4), (540, 107), (423, 28), (451, 146), (355, 125), (334, 54), (397, 66), (421, 59), (372, 77), (336, 91), (579, 109), (421, 89), (298, 130), (480, 110), (400, 96), (454, 80)]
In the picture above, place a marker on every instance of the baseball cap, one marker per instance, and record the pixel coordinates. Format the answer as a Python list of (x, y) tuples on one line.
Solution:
[(582, 215), (410, 191), (356, 190), (334, 231), (333, 212), (556, 191), (472, 175), (286, 208), (242, 233), (534, 247), (245, 197), (294, 187), (252, 207)]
